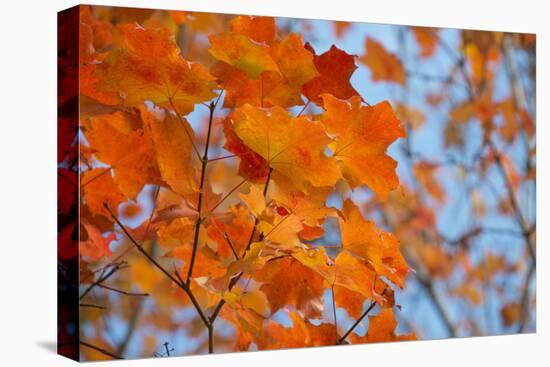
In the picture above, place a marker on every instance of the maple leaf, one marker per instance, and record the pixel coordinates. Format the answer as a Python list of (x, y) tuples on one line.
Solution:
[(131, 210), (363, 133), (119, 140), (252, 299), (378, 248), (308, 205), (427, 39), (286, 282), (281, 230), (178, 232), (93, 245), (281, 87), (206, 264), (252, 166), (341, 28), (294, 147), (311, 233), (425, 174), (259, 29), (302, 334), (102, 31), (254, 200), (353, 281), (254, 260), (235, 227), (411, 116), (246, 47), (382, 329), (248, 323), (93, 34), (173, 142), (469, 292), (243, 53), (384, 65), (144, 276), (99, 188), (145, 64), (335, 69), (294, 60)]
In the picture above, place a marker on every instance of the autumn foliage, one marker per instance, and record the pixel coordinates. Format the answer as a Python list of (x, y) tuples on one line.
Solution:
[(210, 150)]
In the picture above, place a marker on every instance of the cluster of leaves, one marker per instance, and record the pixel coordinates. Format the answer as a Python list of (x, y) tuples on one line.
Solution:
[(237, 240), (210, 146)]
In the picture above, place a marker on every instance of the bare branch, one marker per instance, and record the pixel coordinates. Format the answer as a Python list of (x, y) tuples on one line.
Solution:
[(123, 292), (100, 350)]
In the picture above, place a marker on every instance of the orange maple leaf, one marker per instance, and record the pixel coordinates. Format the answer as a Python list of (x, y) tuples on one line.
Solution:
[(335, 69), (173, 143), (118, 139), (145, 64), (384, 65), (382, 329), (294, 147), (379, 249), (363, 133)]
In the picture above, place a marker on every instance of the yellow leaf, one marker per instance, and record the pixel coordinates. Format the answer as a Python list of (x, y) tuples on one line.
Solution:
[(254, 200)]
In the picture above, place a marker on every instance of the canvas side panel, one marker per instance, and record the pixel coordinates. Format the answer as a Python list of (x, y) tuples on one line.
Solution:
[(67, 184)]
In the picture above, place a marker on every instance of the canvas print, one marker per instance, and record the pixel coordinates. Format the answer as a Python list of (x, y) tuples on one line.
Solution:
[(236, 183)]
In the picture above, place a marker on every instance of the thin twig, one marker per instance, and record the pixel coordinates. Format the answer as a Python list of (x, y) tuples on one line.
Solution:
[(100, 350), (180, 283), (102, 278), (184, 123), (228, 240), (334, 313), (204, 162), (123, 292), (223, 157), (524, 302), (356, 323), (304, 108), (107, 170), (226, 196), (238, 277), (91, 305)]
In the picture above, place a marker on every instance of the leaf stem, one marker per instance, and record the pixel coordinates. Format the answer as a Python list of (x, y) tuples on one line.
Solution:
[(334, 313), (195, 149)]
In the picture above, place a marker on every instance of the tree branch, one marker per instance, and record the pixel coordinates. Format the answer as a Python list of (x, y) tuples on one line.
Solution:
[(179, 283), (123, 292), (204, 162), (90, 305), (100, 350), (103, 278), (234, 280), (356, 323)]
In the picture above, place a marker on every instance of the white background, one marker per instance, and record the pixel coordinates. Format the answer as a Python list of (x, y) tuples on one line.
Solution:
[(28, 181)]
